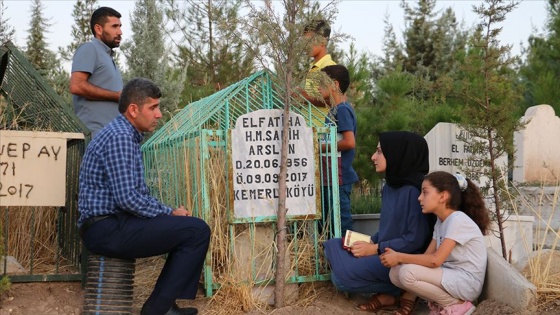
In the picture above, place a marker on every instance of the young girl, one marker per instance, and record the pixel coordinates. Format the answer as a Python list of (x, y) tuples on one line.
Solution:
[(450, 274), (403, 158)]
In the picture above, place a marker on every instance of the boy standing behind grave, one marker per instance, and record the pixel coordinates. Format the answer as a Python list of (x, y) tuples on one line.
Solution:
[(333, 87), (317, 34)]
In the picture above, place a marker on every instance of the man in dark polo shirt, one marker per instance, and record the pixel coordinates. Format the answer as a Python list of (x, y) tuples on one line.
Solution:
[(96, 81)]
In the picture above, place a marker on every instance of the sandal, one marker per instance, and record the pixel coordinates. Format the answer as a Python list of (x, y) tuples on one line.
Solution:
[(375, 305), (407, 307)]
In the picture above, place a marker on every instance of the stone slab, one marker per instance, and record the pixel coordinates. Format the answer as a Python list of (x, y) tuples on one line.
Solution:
[(537, 147), (505, 284)]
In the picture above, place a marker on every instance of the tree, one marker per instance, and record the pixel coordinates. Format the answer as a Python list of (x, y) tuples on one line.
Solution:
[(488, 89), (432, 44), (43, 59), (210, 44), (37, 52), (81, 30), (6, 30), (147, 55), (276, 42), (541, 69)]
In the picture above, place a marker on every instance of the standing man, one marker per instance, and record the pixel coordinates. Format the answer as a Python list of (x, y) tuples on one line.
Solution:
[(96, 81), (118, 216)]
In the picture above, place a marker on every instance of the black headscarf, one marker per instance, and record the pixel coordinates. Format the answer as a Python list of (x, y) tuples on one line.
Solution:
[(407, 158)]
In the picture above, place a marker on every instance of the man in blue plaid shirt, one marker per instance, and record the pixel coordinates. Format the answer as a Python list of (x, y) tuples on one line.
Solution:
[(118, 216)]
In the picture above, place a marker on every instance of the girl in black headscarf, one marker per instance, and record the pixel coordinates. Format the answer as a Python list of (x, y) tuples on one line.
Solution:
[(403, 157)]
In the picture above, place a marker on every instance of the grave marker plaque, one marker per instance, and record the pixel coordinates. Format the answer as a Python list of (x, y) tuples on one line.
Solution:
[(451, 153), (256, 143), (33, 167)]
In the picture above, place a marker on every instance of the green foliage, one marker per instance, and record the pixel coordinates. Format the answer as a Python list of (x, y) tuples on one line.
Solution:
[(366, 203), (81, 30), (44, 60), (4, 281), (211, 46), (6, 30), (361, 86), (5, 284), (37, 52), (147, 55), (490, 94), (431, 42), (541, 68)]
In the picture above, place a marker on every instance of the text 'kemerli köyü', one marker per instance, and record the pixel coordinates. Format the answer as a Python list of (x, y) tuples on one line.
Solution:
[(26, 150)]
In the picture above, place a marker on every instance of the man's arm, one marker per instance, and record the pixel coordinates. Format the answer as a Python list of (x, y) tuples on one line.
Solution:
[(79, 85)]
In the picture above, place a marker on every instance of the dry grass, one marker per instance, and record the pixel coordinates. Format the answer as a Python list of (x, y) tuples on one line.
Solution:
[(31, 236), (543, 267), (241, 255), (145, 276)]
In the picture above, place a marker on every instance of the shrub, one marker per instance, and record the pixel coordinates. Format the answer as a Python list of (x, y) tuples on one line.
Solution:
[(366, 199)]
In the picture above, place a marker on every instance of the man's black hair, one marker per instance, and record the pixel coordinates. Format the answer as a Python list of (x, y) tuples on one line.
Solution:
[(340, 74), (319, 27), (137, 91), (100, 16)]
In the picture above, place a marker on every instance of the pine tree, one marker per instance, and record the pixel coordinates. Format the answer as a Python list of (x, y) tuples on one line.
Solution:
[(489, 92), (210, 44), (6, 30), (37, 52), (43, 59), (393, 54), (147, 55), (81, 30), (432, 41)]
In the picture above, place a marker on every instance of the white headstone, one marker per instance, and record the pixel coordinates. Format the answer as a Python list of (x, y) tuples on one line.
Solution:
[(33, 167), (256, 143), (449, 152), (537, 156)]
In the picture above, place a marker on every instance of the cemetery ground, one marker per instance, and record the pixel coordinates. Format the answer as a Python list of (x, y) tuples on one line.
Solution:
[(320, 298)]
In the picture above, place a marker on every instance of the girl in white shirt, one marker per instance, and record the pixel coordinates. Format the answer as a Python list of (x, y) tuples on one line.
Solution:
[(450, 274)]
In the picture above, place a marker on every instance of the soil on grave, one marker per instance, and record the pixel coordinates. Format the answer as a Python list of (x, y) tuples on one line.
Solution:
[(66, 298)]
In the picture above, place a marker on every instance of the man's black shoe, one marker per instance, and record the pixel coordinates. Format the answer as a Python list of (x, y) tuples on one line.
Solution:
[(174, 310)]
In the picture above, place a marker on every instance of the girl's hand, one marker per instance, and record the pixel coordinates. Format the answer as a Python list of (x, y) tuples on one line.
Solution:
[(389, 258)]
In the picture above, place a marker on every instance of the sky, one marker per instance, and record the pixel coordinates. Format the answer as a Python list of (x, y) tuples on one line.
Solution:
[(361, 19)]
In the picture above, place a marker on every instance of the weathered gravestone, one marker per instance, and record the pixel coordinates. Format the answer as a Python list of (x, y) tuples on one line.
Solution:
[(451, 151), (537, 155), (537, 167)]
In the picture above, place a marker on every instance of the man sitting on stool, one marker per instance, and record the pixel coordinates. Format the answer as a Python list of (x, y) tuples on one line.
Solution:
[(118, 216)]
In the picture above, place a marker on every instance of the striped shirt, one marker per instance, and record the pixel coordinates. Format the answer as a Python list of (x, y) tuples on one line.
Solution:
[(112, 175)]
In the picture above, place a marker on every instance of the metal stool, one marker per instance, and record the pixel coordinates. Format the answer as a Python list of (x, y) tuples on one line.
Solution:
[(109, 286)]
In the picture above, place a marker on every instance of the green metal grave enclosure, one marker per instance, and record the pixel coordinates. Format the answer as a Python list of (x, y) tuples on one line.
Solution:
[(28, 103), (187, 163)]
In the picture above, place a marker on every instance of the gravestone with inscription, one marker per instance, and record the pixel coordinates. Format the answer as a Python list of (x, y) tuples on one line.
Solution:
[(537, 147), (33, 167), (256, 143), (451, 153)]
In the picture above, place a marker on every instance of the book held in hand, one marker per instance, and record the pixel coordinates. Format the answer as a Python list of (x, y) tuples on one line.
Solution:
[(352, 237)]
